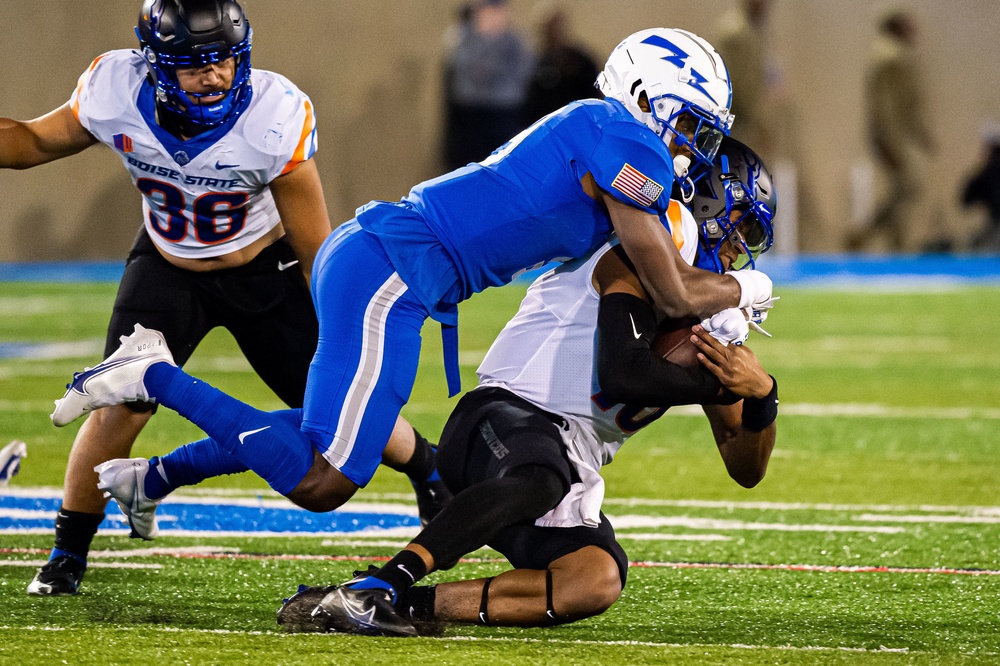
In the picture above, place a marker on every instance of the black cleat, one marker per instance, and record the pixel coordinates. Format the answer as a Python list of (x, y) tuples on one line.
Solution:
[(295, 614), (432, 496), (367, 612), (59, 577)]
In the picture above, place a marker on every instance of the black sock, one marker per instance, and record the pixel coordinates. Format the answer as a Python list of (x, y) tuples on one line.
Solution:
[(75, 530), (402, 572), (419, 603), (422, 463)]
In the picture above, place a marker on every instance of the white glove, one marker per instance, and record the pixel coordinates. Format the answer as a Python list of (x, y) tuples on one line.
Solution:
[(755, 289), (728, 327)]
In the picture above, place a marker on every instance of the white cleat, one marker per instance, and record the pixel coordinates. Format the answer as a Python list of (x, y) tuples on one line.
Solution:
[(10, 461), (124, 481), (116, 379)]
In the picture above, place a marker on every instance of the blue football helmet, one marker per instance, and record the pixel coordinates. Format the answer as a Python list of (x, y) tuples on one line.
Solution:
[(738, 181), (194, 33)]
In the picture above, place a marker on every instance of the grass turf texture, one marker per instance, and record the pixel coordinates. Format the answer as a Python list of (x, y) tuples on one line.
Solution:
[(925, 376)]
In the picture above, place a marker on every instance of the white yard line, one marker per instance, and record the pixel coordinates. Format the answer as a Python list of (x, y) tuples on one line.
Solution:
[(34, 564), (972, 520), (802, 506), (867, 410), (632, 521), (504, 639), (644, 536)]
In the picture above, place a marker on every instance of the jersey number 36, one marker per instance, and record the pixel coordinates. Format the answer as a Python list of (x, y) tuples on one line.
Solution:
[(218, 216)]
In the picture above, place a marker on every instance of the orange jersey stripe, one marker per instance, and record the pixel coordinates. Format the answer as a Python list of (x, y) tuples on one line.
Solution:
[(79, 87), (676, 223), (300, 151)]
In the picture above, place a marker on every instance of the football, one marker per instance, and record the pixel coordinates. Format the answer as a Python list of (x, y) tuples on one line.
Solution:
[(673, 342)]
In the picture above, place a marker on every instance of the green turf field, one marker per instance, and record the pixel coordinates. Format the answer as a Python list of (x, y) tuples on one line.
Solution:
[(881, 497)]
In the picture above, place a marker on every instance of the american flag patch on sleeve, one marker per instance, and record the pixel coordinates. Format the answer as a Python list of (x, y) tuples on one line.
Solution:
[(123, 142), (636, 186)]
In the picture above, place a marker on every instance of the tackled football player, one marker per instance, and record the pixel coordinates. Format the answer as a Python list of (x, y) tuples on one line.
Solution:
[(233, 215), (523, 451), (556, 191)]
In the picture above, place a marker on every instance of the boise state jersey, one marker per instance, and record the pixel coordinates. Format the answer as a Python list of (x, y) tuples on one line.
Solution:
[(547, 354), (525, 205), (209, 195)]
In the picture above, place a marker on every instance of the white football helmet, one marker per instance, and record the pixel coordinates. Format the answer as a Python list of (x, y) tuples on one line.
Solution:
[(679, 72)]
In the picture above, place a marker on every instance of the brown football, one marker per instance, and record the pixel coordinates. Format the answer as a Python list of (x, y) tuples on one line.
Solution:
[(673, 342)]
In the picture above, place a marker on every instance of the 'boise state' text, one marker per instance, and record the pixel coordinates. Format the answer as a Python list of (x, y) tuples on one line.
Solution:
[(166, 172)]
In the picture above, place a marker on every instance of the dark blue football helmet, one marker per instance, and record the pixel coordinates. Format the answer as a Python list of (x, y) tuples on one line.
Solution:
[(194, 33), (738, 181)]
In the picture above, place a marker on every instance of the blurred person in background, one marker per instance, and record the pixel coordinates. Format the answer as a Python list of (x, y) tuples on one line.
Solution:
[(898, 130), (742, 44), (983, 187), (564, 71), (488, 72)]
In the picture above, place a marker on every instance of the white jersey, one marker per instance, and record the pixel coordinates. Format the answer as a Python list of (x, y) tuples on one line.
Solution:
[(209, 195), (547, 354)]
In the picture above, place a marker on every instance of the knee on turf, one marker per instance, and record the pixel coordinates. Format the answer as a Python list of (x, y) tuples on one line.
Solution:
[(585, 583)]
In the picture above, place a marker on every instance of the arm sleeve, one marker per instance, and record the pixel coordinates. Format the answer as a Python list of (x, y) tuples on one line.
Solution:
[(628, 370)]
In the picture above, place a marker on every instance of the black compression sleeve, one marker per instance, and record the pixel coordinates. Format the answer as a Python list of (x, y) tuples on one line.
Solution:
[(628, 370)]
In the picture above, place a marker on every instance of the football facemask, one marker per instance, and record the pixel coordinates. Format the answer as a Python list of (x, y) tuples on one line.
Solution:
[(744, 222), (190, 104)]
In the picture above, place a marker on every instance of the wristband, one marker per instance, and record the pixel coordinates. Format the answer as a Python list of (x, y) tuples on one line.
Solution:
[(758, 413), (754, 286)]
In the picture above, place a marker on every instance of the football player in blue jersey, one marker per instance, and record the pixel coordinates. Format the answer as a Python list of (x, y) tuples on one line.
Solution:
[(556, 191), (234, 215), (524, 450)]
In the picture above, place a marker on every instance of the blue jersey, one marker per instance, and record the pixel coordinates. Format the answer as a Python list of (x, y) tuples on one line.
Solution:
[(524, 206)]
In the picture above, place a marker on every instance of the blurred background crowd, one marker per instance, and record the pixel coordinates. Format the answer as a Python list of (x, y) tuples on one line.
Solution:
[(881, 121)]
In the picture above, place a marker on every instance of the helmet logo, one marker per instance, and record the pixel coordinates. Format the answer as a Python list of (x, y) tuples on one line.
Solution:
[(181, 157), (678, 58)]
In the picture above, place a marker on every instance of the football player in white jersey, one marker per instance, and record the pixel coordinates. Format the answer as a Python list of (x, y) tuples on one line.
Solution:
[(523, 451), (233, 214)]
